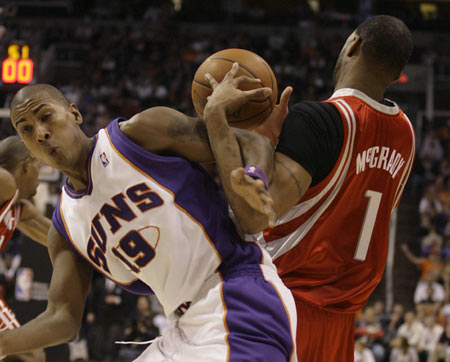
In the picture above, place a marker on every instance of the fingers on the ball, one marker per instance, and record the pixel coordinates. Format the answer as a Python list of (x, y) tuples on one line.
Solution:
[(259, 93), (232, 72), (244, 79), (211, 80)]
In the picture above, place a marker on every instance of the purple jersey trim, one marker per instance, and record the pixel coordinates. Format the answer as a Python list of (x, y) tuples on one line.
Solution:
[(257, 321), (136, 287), (58, 224), (76, 194), (196, 192)]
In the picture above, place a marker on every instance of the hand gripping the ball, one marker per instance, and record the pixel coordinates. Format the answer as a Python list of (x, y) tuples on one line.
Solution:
[(271, 127), (227, 97)]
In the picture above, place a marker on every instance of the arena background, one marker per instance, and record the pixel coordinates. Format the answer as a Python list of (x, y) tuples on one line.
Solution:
[(115, 58)]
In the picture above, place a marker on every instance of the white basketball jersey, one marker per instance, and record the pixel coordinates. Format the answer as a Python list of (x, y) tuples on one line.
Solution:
[(150, 222)]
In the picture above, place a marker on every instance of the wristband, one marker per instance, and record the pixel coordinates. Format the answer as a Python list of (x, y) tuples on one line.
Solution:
[(258, 174)]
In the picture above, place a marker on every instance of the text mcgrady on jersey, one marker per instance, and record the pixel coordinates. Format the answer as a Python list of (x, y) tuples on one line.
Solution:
[(380, 157)]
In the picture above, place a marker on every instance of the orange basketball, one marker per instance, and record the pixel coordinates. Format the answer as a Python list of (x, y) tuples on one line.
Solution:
[(250, 64)]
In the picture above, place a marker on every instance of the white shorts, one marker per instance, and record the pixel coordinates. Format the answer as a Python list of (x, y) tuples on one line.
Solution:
[(248, 316)]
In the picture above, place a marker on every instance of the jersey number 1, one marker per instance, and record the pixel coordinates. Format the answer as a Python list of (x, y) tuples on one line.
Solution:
[(368, 224)]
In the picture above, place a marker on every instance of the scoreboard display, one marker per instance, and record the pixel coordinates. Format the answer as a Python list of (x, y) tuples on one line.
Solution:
[(17, 67)]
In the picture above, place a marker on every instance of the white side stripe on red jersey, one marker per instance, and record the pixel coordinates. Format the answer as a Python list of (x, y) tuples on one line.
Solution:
[(8, 319), (305, 206), (408, 167), (9, 205), (276, 248)]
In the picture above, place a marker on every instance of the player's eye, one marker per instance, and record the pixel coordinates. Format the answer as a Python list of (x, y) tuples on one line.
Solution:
[(45, 117), (27, 129)]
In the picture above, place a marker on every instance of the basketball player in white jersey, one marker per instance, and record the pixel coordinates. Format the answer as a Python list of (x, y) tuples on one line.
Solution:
[(19, 173), (339, 171), (151, 221)]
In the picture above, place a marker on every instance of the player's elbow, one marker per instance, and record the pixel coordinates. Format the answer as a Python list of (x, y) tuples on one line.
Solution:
[(65, 326)]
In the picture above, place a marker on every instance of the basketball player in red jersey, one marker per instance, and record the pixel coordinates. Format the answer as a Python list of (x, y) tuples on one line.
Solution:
[(19, 173), (339, 170)]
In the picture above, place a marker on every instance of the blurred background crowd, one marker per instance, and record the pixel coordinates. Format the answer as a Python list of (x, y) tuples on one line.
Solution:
[(116, 58)]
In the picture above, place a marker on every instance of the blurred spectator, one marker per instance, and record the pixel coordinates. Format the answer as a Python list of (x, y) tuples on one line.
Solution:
[(142, 329), (362, 353), (111, 308), (442, 351), (428, 290), (402, 351), (370, 328), (412, 329), (430, 337), (430, 240), (431, 148)]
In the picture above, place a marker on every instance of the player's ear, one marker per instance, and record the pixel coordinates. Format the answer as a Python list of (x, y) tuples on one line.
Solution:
[(27, 164), (354, 45), (76, 113)]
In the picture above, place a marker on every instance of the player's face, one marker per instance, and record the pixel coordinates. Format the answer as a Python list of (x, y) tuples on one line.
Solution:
[(49, 129)]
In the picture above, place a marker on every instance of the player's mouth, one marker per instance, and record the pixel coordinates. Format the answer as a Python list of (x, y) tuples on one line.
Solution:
[(53, 151)]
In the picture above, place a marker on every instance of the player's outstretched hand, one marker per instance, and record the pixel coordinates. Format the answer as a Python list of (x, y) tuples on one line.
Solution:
[(226, 94), (271, 127), (254, 193)]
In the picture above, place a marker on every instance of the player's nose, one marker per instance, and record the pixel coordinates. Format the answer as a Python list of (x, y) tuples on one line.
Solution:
[(42, 133)]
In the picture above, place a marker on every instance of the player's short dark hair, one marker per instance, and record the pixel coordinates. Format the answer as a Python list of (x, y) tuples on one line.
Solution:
[(30, 90), (387, 41), (12, 151)]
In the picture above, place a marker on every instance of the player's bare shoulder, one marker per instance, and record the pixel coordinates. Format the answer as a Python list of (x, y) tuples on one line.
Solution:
[(167, 131), (150, 129), (7, 186)]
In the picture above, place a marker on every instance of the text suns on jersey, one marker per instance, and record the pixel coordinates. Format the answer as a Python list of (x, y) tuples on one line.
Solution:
[(136, 245), (380, 157)]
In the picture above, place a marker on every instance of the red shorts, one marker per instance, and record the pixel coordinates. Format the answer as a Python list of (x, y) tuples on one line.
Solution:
[(324, 336), (8, 319)]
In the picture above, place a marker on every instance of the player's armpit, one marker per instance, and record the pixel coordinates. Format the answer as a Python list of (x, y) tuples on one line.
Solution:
[(33, 224), (289, 183), (68, 292)]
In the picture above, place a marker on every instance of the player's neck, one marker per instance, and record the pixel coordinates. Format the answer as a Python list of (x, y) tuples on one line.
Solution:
[(368, 82), (78, 175)]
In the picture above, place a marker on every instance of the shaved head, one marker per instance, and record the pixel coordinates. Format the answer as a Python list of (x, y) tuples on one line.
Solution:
[(34, 89), (12, 151), (386, 41)]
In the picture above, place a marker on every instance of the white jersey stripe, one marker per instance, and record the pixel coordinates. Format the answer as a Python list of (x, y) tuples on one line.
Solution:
[(407, 170), (306, 205), (8, 206), (7, 318), (278, 247)]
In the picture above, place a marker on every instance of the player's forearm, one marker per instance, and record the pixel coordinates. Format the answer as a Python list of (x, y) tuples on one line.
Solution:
[(36, 229), (48, 329), (231, 154)]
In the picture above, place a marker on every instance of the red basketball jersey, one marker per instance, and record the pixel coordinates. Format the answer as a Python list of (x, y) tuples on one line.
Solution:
[(10, 215), (331, 248)]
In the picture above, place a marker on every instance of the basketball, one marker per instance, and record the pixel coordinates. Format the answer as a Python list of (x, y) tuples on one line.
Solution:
[(252, 65)]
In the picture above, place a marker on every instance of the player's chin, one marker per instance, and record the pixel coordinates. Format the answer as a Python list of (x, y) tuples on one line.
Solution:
[(31, 194)]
